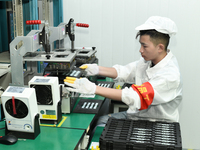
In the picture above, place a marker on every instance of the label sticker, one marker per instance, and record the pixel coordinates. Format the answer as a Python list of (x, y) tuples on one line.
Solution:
[(49, 116), (15, 89), (42, 80)]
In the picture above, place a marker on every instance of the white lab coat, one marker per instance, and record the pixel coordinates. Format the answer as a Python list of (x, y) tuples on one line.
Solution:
[(165, 79)]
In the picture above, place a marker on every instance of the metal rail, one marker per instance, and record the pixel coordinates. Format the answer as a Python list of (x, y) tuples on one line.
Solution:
[(18, 18)]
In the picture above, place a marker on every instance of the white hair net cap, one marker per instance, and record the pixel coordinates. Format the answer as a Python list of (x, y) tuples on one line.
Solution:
[(160, 24)]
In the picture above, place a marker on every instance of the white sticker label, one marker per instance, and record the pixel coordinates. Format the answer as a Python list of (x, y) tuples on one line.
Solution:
[(15, 89), (42, 80)]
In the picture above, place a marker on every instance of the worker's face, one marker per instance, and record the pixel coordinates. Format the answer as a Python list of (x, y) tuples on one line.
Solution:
[(148, 50)]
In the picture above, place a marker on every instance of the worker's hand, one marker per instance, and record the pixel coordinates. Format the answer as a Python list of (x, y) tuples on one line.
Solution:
[(91, 69), (82, 85)]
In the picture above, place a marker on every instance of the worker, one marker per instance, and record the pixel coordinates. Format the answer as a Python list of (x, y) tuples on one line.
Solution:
[(156, 89)]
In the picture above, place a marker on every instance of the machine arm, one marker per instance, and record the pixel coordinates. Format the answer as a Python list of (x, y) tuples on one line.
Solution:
[(70, 31), (43, 35)]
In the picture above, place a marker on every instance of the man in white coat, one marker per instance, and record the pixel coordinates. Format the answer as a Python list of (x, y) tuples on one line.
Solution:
[(156, 90)]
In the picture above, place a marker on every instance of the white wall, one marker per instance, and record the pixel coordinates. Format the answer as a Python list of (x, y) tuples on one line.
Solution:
[(112, 31)]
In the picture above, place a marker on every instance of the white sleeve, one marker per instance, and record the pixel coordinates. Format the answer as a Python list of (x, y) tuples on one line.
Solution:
[(131, 98), (126, 73), (166, 88)]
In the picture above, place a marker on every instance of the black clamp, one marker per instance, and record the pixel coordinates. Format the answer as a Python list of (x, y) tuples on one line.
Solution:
[(43, 39)]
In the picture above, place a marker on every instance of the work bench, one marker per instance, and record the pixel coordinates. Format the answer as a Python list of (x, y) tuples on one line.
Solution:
[(51, 138), (68, 134)]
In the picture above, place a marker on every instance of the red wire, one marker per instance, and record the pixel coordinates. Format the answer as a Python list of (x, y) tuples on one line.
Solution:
[(13, 103), (46, 74)]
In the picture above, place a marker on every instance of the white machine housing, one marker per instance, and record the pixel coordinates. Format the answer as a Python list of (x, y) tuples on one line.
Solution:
[(51, 113), (68, 100), (30, 122)]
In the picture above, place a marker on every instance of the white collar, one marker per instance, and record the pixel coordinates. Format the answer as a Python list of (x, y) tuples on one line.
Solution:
[(151, 70)]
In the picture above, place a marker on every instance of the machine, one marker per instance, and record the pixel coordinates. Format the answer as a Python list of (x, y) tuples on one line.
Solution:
[(48, 46), (21, 112), (48, 98)]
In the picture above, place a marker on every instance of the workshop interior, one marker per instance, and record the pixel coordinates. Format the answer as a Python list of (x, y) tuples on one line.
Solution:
[(37, 52)]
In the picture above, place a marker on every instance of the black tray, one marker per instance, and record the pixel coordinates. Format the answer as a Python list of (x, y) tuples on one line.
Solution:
[(128, 134), (91, 108)]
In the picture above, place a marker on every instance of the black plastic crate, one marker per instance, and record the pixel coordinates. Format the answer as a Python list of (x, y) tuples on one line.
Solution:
[(129, 134)]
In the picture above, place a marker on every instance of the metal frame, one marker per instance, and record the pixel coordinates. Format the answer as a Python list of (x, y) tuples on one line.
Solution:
[(26, 10), (18, 18), (30, 43)]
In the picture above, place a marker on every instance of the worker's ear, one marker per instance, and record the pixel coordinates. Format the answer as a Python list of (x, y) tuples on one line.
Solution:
[(161, 47)]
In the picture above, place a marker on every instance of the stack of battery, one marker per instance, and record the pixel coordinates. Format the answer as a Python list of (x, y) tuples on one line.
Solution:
[(88, 106), (128, 134), (106, 84)]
